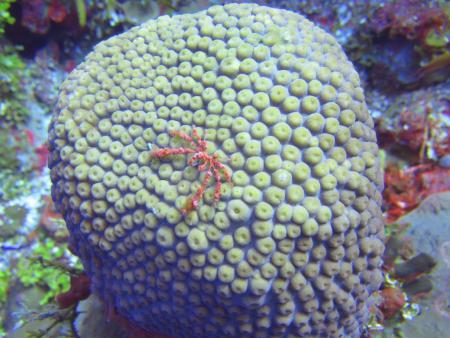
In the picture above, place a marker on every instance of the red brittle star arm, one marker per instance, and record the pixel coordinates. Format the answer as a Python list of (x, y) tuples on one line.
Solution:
[(171, 151), (193, 201), (184, 136), (217, 170), (202, 145)]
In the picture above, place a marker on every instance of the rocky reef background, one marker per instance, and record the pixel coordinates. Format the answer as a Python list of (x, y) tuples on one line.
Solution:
[(401, 50)]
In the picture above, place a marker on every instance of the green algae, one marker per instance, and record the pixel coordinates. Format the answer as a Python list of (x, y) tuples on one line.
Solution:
[(5, 15), (12, 69), (48, 266), (39, 268)]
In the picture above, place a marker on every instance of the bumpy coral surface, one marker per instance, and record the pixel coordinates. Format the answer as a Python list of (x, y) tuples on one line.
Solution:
[(292, 247)]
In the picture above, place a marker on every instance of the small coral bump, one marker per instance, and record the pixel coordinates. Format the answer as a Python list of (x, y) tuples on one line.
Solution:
[(200, 158)]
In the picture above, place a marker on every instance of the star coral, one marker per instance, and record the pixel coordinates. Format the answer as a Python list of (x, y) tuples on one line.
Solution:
[(292, 247)]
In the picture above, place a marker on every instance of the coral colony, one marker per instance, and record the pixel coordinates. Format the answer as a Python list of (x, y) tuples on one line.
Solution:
[(291, 245)]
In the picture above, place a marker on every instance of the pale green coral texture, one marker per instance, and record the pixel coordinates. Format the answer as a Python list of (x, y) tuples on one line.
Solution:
[(280, 254)]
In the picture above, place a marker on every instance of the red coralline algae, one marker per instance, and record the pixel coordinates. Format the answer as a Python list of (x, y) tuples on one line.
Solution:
[(79, 290), (42, 157), (56, 11), (409, 18), (423, 132), (35, 16), (405, 189), (392, 302), (49, 215), (39, 15)]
